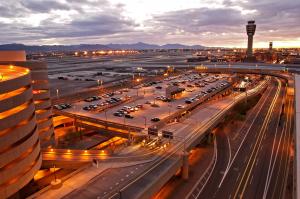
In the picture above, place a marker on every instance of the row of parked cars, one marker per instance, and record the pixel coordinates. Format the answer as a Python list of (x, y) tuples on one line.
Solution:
[(106, 95), (151, 83), (163, 98), (187, 80), (112, 100), (62, 106), (93, 98), (204, 93), (126, 110)]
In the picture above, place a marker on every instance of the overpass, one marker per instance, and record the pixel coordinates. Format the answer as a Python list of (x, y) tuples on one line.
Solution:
[(66, 158)]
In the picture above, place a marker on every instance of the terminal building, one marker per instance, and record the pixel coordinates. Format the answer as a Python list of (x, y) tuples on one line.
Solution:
[(25, 119)]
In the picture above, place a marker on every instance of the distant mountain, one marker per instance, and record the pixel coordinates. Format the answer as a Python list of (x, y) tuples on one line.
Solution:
[(51, 48), (57, 48), (136, 46), (180, 46), (142, 46)]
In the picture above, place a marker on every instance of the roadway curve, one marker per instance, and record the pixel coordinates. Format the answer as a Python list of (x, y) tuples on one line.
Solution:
[(255, 165)]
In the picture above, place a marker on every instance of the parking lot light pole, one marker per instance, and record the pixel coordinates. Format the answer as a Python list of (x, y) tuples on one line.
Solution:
[(145, 118), (105, 113), (170, 106)]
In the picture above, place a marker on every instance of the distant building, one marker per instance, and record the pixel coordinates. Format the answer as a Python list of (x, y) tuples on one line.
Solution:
[(250, 28), (171, 91), (197, 59), (270, 47)]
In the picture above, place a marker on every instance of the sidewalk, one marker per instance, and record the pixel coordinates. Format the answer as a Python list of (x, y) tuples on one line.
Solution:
[(79, 179)]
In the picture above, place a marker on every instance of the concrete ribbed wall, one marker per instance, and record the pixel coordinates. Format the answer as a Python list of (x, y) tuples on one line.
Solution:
[(41, 97), (20, 156)]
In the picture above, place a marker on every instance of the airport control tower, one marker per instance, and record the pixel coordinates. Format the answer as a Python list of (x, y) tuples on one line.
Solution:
[(250, 27)]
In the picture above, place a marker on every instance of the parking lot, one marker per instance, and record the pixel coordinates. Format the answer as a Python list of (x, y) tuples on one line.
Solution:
[(146, 104)]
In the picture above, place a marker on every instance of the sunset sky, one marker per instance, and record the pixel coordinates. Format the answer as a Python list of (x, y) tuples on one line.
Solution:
[(191, 22)]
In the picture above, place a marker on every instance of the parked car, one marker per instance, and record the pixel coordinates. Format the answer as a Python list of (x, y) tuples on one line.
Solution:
[(86, 108), (128, 116), (118, 114), (180, 106), (188, 101), (155, 119), (57, 107)]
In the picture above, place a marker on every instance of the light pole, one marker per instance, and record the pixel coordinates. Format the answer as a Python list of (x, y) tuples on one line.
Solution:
[(105, 116), (170, 106), (57, 93), (145, 118)]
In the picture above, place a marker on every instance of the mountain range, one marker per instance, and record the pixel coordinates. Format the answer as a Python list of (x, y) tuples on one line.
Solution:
[(80, 47)]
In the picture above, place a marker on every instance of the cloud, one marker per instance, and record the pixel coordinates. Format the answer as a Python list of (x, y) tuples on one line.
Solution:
[(80, 21), (98, 25), (200, 20), (44, 6), (63, 22)]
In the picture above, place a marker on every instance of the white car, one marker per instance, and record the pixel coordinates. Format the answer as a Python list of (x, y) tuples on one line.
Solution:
[(180, 106)]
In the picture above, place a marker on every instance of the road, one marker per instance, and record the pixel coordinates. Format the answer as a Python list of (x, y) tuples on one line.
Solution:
[(256, 166)]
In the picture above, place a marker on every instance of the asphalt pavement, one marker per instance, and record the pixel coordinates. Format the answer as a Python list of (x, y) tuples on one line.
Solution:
[(258, 157)]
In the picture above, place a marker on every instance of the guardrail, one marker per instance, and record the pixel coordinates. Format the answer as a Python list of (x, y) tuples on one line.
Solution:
[(200, 184), (89, 155), (99, 121)]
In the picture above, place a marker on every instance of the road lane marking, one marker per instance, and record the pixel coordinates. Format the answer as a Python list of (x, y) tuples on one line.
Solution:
[(247, 132), (251, 179), (259, 140), (237, 178), (285, 131)]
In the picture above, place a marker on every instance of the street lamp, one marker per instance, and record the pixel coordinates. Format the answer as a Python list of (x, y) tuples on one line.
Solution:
[(145, 118), (170, 106), (57, 93), (105, 116)]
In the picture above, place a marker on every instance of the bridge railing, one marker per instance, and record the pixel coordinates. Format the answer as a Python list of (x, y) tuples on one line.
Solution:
[(89, 155)]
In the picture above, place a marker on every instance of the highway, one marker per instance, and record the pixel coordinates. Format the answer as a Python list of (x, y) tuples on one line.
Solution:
[(255, 164)]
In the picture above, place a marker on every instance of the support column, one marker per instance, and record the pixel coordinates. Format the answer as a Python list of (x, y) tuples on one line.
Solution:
[(185, 166), (76, 127)]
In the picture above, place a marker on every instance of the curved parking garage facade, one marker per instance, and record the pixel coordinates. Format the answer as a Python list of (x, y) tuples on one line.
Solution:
[(41, 92), (20, 156)]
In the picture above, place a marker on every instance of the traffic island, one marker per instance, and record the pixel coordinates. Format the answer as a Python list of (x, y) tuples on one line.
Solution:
[(56, 184)]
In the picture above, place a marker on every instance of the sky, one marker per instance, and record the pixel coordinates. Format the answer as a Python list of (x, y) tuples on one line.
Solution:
[(218, 23)]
